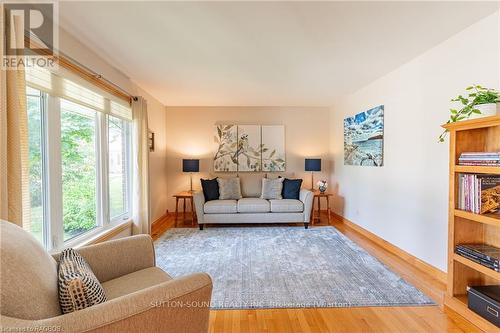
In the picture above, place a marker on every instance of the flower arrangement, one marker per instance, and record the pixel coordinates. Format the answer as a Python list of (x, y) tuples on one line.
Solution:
[(322, 185)]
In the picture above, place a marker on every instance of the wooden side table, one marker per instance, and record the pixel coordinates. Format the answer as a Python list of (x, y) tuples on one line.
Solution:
[(317, 197), (183, 196)]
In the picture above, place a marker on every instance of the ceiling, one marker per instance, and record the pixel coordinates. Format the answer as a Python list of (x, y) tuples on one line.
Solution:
[(262, 53)]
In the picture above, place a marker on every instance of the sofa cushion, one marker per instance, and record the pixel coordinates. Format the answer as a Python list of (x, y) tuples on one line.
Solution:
[(229, 188), (253, 205), (78, 286), (291, 188), (272, 188), (220, 207), (210, 189), (135, 281), (286, 206), (28, 283)]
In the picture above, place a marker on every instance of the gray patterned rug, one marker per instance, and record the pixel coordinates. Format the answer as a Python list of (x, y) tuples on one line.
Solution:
[(284, 267)]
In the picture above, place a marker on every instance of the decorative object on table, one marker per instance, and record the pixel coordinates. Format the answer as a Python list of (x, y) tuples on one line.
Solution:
[(364, 138), (247, 267), (478, 193), (483, 254), (485, 301), (186, 195), (190, 165), (273, 148), (229, 188), (291, 188), (151, 141), (251, 148), (322, 185), (312, 164), (316, 216), (480, 159), (210, 189), (480, 102), (272, 188)]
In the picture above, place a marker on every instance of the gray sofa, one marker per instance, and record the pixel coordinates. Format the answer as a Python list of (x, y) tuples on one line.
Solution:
[(252, 209)]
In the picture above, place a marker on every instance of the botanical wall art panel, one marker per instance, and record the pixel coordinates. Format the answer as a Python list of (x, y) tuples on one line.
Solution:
[(226, 139), (364, 138), (273, 148), (249, 152), (249, 148)]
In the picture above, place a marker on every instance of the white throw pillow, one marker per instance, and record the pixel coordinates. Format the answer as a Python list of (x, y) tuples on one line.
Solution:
[(272, 188), (229, 188)]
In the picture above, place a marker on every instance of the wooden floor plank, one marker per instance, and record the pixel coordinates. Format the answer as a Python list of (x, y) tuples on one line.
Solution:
[(429, 319)]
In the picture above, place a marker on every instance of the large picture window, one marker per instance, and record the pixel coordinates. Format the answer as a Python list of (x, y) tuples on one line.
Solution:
[(79, 169), (79, 155)]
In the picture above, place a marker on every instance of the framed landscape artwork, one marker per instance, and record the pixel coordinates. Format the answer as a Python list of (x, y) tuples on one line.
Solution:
[(364, 138), (249, 148)]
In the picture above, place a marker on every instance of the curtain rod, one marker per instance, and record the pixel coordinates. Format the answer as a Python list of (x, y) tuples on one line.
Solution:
[(87, 73)]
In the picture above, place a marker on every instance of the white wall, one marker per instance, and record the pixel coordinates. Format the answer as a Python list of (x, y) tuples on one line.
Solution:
[(190, 132), (405, 201), (156, 114)]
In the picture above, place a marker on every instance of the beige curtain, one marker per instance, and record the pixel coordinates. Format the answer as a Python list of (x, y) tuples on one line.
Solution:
[(140, 198), (14, 167)]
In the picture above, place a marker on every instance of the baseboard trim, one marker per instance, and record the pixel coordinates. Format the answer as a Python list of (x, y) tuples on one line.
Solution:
[(165, 215), (435, 272)]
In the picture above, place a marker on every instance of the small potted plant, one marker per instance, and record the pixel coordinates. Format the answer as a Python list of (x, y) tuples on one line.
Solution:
[(322, 186), (480, 102)]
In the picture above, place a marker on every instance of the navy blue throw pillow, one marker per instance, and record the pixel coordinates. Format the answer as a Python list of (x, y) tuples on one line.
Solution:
[(291, 188), (210, 189)]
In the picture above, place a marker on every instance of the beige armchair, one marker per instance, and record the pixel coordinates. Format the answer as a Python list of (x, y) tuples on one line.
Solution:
[(141, 297)]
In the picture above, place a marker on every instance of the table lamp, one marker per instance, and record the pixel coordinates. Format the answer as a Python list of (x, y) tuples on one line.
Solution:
[(312, 164), (190, 165)]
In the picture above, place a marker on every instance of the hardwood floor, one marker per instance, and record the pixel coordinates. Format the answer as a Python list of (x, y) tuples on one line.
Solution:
[(433, 319)]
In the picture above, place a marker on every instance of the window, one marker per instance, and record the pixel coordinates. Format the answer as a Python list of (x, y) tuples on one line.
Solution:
[(118, 164), (79, 155), (36, 179), (79, 169)]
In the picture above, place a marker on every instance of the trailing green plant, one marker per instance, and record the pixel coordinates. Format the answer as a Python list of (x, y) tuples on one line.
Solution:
[(476, 95)]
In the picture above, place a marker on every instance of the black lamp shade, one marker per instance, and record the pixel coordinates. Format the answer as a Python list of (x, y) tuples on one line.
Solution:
[(190, 165), (313, 164)]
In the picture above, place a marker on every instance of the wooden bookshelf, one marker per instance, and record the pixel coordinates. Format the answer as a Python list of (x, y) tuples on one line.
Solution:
[(477, 169), (492, 219), (476, 135)]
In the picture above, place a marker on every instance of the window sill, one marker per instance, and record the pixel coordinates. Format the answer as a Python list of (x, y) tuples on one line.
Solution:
[(98, 235)]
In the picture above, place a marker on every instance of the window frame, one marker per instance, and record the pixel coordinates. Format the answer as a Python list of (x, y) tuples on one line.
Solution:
[(127, 214), (52, 190)]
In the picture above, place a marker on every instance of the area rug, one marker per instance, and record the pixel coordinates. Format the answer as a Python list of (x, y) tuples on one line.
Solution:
[(284, 267)]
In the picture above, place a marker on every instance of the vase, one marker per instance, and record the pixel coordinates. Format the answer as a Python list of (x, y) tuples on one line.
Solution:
[(487, 110), (322, 189)]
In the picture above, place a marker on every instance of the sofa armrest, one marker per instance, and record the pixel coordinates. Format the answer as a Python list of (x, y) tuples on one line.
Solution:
[(306, 196), (199, 203), (119, 257), (179, 305)]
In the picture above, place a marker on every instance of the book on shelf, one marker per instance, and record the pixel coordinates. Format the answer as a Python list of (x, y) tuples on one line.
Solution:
[(479, 194), (483, 254), (480, 159)]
